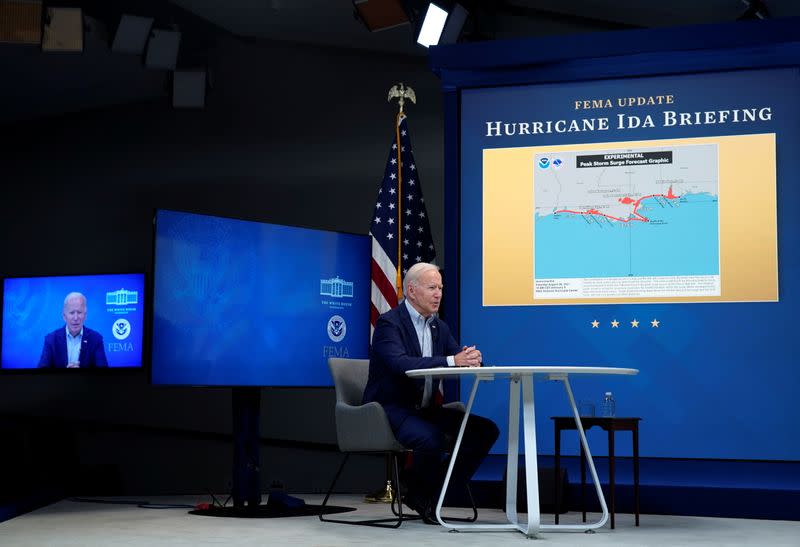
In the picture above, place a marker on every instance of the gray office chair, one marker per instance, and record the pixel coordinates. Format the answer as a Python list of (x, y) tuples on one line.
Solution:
[(364, 428)]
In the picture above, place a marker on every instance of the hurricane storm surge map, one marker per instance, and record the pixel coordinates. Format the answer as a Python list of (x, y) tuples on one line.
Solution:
[(627, 223)]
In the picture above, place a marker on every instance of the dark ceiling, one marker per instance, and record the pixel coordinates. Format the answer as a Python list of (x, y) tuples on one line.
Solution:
[(36, 84), (327, 22)]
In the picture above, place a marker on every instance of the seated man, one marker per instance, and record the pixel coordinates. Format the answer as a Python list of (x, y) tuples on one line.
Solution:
[(411, 337), (73, 345)]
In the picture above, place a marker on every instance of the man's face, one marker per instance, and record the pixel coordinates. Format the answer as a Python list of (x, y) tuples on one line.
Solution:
[(426, 293), (74, 314)]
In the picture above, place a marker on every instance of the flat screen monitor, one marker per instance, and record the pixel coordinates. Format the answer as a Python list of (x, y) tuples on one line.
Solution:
[(243, 303), (74, 321)]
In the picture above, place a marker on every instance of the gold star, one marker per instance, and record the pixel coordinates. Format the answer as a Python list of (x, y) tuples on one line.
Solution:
[(655, 323), (595, 324), (634, 324), (614, 324)]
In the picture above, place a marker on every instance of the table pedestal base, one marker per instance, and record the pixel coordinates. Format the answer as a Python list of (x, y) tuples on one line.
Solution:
[(532, 526)]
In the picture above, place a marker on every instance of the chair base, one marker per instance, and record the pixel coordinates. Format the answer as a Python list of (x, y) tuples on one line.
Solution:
[(381, 522), (396, 502)]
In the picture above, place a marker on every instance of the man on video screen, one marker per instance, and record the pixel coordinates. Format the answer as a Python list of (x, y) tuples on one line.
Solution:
[(74, 345)]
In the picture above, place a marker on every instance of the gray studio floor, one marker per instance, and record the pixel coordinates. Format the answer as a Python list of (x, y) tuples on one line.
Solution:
[(78, 523)]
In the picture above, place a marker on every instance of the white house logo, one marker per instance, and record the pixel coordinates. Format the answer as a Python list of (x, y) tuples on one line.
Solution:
[(121, 329), (336, 287), (122, 297), (337, 328)]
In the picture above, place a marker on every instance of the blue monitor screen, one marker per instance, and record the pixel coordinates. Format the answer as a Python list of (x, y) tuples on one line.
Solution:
[(105, 313), (241, 303)]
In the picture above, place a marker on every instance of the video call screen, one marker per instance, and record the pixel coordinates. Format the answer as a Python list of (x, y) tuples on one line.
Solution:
[(111, 326), (242, 303)]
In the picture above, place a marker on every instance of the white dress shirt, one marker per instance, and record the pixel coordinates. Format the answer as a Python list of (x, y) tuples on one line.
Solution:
[(422, 326)]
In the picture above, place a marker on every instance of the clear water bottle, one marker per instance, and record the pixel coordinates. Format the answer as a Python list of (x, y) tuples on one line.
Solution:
[(609, 406)]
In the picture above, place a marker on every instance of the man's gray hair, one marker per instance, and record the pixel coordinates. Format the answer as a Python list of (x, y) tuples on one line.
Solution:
[(415, 272), (72, 295)]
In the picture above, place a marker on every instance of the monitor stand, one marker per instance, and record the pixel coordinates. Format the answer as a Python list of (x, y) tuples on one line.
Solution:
[(246, 491), (246, 412)]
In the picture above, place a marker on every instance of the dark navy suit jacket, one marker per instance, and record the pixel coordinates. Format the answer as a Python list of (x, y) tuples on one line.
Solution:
[(54, 351), (395, 350)]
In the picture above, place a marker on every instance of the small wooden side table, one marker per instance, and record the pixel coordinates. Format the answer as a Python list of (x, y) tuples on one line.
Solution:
[(611, 425)]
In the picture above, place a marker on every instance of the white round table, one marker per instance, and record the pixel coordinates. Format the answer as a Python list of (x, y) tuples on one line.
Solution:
[(521, 375)]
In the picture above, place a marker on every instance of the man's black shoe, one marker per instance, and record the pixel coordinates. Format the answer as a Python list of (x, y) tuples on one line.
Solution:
[(423, 507), (430, 515), (414, 502), (419, 497)]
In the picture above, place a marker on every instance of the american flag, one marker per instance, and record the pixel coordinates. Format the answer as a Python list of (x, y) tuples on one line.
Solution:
[(401, 233)]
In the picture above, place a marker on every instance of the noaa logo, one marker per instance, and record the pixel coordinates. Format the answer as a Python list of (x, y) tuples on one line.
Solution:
[(557, 164), (337, 328), (121, 329), (544, 163)]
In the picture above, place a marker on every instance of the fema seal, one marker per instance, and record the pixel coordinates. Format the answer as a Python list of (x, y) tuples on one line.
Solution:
[(121, 329), (337, 328)]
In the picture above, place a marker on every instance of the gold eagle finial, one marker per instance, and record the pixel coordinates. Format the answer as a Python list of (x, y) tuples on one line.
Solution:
[(402, 92)]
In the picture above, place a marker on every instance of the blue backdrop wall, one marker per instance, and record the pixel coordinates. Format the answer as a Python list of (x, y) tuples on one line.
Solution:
[(718, 372)]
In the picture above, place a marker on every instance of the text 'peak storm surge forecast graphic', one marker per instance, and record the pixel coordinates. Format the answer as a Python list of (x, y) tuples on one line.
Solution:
[(626, 222)]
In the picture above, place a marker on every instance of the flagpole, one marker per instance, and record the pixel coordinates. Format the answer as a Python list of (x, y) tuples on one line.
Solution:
[(402, 93), (383, 277), (399, 282)]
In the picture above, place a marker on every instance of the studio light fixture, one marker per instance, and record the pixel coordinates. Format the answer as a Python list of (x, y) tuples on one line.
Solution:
[(432, 25), (189, 89), (132, 34), (380, 14), (755, 9), (63, 30), (454, 25), (162, 49), (20, 22), (440, 26)]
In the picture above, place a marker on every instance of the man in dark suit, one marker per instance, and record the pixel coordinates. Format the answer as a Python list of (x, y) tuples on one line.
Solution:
[(411, 337), (74, 345)]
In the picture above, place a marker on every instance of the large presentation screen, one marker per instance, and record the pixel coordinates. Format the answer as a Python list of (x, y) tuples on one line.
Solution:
[(241, 303), (647, 223), (103, 313)]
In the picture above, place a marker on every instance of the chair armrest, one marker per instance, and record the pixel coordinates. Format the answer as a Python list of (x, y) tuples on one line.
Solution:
[(364, 428)]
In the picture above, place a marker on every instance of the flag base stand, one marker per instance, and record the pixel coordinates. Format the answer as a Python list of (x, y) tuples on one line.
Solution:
[(381, 496)]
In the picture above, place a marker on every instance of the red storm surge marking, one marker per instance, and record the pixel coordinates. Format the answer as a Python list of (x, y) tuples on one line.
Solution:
[(626, 200)]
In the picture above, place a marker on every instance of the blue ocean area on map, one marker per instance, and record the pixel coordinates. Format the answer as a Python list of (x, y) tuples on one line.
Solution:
[(681, 238)]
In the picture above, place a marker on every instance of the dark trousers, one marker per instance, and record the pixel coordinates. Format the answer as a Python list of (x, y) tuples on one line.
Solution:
[(431, 433)]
